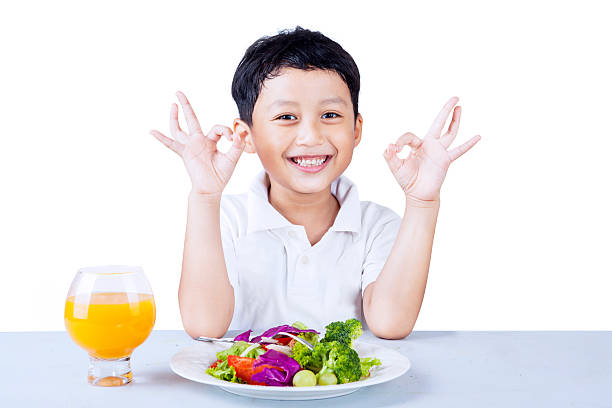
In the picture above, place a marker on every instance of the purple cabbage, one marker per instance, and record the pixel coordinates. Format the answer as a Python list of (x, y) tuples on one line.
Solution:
[(243, 336), (274, 330), (272, 376)]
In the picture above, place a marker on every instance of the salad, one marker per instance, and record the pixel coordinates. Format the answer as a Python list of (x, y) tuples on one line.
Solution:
[(259, 361)]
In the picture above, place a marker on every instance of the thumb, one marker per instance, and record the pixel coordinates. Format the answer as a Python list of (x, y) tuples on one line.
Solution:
[(236, 148)]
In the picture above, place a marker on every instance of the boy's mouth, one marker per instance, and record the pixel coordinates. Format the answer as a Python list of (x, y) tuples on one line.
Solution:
[(310, 164)]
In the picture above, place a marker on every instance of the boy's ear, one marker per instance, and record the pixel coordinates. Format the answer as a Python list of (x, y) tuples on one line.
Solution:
[(244, 131), (358, 126)]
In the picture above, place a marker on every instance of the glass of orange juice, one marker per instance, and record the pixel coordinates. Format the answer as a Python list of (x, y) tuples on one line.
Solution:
[(109, 312)]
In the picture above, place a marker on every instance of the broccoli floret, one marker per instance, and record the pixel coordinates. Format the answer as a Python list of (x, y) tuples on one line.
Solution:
[(344, 332), (339, 358), (303, 355), (336, 331), (354, 327), (333, 353)]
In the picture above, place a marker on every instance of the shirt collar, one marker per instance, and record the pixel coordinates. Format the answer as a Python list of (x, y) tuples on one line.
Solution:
[(262, 216)]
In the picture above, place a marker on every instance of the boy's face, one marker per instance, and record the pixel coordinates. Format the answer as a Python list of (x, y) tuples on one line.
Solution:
[(303, 115)]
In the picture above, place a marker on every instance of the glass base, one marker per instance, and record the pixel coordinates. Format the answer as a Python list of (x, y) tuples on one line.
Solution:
[(109, 373)]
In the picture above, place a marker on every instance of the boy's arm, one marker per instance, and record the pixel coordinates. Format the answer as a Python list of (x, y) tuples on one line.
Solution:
[(391, 304), (206, 297)]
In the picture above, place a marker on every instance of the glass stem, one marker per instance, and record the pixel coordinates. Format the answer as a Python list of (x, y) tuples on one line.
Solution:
[(109, 373)]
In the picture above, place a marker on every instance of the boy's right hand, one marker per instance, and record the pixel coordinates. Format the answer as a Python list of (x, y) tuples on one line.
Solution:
[(208, 168)]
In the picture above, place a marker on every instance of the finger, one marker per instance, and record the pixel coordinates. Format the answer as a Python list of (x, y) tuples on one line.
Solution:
[(409, 139), (438, 124), (217, 131), (192, 120), (459, 150), (175, 128), (390, 156), (169, 143), (450, 135)]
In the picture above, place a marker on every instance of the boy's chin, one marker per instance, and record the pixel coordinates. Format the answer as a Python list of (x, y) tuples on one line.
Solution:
[(310, 186), (306, 183)]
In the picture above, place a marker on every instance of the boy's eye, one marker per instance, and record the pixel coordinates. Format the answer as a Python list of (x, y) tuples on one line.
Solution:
[(331, 113), (285, 116), (334, 115)]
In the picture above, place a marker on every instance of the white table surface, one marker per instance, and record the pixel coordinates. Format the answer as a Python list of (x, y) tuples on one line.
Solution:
[(449, 369)]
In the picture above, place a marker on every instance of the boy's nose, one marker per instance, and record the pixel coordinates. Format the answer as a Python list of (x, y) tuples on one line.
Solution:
[(310, 134)]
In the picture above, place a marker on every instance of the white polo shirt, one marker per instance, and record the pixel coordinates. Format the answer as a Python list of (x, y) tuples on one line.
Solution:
[(279, 278)]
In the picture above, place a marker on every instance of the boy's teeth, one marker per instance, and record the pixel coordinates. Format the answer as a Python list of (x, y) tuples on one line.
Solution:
[(309, 162)]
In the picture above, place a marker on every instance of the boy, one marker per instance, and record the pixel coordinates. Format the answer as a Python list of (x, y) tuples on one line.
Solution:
[(300, 245)]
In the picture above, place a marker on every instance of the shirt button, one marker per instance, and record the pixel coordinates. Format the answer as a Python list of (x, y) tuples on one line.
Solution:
[(304, 259), (291, 234)]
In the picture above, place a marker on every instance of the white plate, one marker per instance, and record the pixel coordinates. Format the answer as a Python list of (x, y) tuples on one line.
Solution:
[(191, 362)]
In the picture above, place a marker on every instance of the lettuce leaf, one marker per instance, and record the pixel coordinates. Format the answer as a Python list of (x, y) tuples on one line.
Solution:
[(254, 353), (299, 325), (224, 372), (235, 350), (366, 364)]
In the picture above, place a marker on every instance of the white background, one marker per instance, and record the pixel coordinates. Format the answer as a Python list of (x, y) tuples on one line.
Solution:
[(523, 235)]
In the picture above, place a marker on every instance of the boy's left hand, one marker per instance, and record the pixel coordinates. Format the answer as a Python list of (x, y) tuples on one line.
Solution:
[(421, 173)]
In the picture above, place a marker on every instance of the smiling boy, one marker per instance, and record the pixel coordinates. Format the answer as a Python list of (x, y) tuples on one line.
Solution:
[(300, 245)]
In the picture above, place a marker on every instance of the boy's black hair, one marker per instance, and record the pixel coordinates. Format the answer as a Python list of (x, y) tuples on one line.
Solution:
[(301, 49)]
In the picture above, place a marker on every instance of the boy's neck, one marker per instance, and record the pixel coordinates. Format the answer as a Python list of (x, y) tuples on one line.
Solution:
[(318, 210)]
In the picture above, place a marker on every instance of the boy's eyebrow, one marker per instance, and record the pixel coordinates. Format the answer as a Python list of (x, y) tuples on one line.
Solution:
[(335, 99)]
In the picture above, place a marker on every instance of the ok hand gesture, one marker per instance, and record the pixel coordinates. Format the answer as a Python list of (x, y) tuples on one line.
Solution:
[(421, 174), (208, 168)]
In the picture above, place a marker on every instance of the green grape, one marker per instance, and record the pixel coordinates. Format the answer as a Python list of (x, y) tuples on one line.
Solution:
[(328, 379), (304, 378)]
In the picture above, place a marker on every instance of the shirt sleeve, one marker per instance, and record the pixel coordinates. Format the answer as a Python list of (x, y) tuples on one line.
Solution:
[(379, 248)]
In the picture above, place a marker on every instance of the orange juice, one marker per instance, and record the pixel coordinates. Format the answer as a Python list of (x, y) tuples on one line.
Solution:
[(110, 325)]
